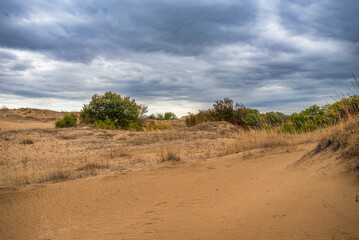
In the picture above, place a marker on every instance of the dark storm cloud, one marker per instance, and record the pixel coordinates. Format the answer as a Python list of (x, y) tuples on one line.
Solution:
[(269, 54), (337, 19), (81, 30)]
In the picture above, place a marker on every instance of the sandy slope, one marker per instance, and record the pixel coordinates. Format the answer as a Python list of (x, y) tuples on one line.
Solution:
[(232, 197)]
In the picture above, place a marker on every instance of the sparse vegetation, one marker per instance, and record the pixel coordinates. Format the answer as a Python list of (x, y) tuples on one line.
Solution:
[(169, 155), (93, 166), (27, 141)]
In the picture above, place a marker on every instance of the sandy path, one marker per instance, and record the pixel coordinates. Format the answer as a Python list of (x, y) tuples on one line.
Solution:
[(223, 198)]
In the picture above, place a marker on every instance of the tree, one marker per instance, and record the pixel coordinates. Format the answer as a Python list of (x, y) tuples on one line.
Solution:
[(170, 116), (112, 107)]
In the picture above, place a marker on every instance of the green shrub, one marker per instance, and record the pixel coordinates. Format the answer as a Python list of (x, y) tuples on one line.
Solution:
[(60, 123), (135, 127), (223, 110), (287, 127), (121, 111), (275, 118), (69, 120), (160, 116), (254, 119), (108, 124), (170, 116), (153, 126)]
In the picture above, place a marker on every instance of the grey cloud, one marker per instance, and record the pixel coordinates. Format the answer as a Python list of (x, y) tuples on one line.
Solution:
[(196, 51), (335, 19), (184, 28)]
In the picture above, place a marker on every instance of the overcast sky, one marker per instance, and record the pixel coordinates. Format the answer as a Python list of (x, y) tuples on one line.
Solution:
[(177, 56)]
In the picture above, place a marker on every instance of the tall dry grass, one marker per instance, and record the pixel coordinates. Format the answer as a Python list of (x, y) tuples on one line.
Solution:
[(257, 139)]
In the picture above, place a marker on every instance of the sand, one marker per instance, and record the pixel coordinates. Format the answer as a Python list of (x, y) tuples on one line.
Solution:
[(257, 197), (257, 194)]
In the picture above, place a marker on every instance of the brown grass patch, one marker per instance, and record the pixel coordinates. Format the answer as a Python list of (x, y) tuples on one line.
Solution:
[(256, 139), (27, 141), (168, 155), (93, 166)]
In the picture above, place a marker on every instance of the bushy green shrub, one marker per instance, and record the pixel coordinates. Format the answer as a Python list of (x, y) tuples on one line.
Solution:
[(200, 117), (254, 119), (342, 108), (275, 118), (112, 109), (69, 120), (107, 124), (287, 127), (310, 119)]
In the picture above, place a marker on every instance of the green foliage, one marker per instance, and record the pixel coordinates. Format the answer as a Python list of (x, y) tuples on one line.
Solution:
[(275, 118), (112, 109), (254, 119), (223, 110), (308, 120), (152, 126), (287, 127), (160, 116), (69, 120), (85, 115), (170, 116), (200, 117), (107, 124), (135, 127), (343, 108)]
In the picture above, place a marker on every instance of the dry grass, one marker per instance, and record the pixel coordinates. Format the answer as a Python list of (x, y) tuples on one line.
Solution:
[(169, 155), (342, 137), (256, 139), (57, 155), (93, 166), (27, 141), (4, 108)]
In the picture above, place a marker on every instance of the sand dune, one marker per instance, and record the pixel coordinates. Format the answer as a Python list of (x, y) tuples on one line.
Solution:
[(259, 193), (256, 197)]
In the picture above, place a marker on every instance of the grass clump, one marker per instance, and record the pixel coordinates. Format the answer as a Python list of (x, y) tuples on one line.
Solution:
[(169, 156), (69, 120), (26, 141), (93, 166)]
